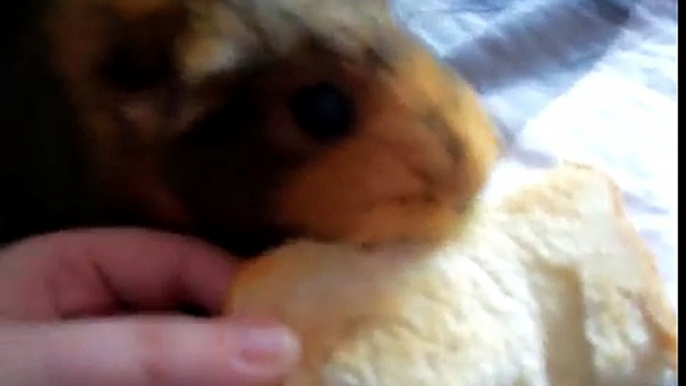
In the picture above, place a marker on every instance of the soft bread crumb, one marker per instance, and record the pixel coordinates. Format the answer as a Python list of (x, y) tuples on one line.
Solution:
[(551, 286)]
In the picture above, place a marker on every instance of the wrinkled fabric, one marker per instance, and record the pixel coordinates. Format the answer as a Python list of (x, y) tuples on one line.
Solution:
[(591, 81)]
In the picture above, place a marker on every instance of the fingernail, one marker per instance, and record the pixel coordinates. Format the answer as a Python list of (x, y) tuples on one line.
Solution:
[(268, 347)]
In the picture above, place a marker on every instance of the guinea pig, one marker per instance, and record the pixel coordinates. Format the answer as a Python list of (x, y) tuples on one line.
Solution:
[(241, 121)]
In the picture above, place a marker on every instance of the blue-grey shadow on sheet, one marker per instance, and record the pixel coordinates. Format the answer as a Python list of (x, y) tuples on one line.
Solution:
[(545, 47)]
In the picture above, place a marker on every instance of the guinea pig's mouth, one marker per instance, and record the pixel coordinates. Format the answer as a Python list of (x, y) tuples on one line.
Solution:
[(242, 242)]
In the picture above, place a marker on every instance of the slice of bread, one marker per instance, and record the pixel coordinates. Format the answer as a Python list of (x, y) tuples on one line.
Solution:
[(550, 286)]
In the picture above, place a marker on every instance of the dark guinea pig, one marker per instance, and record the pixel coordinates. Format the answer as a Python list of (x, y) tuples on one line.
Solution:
[(243, 122)]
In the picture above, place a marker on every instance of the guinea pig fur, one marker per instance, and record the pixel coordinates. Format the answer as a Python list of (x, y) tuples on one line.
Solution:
[(241, 121)]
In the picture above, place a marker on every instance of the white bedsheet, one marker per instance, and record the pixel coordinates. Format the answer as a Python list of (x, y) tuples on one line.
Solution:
[(583, 80)]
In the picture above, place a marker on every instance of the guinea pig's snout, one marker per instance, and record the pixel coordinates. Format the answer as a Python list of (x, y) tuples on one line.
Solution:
[(323, 111)]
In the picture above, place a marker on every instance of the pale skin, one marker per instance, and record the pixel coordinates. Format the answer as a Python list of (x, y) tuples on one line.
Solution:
[(63, 320)]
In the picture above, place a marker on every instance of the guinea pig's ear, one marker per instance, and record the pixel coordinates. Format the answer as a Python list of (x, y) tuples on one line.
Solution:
[(115, 45), (140, 50)]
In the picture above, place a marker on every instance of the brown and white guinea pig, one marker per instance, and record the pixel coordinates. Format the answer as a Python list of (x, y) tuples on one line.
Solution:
[(238, 120)]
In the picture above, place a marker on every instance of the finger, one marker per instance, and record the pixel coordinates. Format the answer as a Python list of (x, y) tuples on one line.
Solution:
[(89, 272), (147, 352)]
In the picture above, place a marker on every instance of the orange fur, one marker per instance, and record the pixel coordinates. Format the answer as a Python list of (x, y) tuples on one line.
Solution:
[(399, 177)]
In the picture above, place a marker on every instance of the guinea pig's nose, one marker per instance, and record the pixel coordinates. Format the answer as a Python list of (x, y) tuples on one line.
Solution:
[(323, 111)]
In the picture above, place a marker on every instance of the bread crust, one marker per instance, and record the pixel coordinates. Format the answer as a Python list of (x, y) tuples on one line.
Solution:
[(652, 299)]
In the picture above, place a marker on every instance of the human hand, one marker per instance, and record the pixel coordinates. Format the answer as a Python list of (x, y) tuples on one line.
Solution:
[(77, 308)]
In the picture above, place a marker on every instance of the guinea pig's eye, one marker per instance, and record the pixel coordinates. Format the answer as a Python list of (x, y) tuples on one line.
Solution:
[(323, 111)]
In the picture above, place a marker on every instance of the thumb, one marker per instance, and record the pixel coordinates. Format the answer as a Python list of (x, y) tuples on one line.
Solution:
[(146, 352)]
